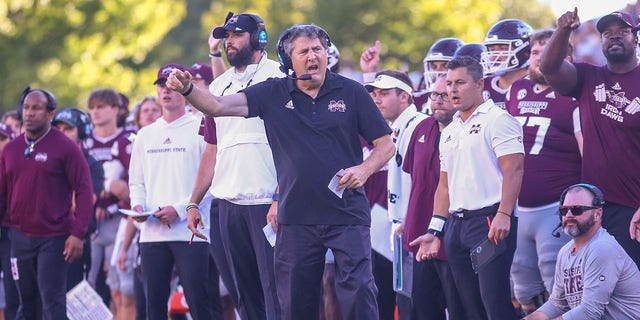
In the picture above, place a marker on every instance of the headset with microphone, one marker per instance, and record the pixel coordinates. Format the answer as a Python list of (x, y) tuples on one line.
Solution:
[(286, 65), (556, 232), (51, 100), (598, 201)]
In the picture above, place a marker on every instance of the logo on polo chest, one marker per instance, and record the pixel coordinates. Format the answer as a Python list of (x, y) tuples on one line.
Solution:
[(289, 105), (337, 106), (475, 129), (41, 157)]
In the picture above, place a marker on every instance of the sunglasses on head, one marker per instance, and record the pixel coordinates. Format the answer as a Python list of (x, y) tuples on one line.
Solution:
[(575, 210)]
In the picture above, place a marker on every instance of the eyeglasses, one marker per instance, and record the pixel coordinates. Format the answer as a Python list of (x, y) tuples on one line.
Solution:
[(434, 96), (616, 33), (29, 150), (575, 210)]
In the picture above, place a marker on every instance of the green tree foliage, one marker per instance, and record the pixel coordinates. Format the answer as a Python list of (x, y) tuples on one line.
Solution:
[(72, 47)]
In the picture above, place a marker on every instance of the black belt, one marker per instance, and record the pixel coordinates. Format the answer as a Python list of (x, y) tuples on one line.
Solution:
[(465, 214)]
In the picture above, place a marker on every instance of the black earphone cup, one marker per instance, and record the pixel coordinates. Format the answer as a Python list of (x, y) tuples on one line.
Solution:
[(257, 43), (23, 96)]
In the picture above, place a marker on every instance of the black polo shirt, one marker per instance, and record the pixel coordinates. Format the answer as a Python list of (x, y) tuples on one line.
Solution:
[(311, 139)]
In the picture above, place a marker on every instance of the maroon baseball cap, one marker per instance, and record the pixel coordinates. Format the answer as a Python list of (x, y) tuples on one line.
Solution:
[(622, 17), (164, 72), (202, 71), (6, 131)]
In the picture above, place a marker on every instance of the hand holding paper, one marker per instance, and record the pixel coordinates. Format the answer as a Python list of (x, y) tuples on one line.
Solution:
[(335, 182), (270, 234), (139, 216)]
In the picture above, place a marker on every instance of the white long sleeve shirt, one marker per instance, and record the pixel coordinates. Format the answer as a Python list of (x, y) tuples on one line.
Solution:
[(163, 171)]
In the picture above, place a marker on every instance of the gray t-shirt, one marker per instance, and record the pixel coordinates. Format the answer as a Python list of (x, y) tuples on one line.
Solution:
[(598, 281)]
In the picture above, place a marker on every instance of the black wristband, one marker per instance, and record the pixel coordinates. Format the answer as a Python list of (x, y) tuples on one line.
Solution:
[(215, 55), (436, 233), (436, 226), (188, 92)]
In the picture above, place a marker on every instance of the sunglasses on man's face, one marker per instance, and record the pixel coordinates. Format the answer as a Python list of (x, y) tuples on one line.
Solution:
[(575, 210)]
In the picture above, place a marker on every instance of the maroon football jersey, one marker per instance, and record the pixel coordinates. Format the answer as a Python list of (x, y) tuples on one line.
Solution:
[(552, 159), (422, 162), (493, 91), (610, 117), (114, 148)]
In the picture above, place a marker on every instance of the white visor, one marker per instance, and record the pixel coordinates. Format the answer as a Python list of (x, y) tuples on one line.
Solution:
[(387, 82)]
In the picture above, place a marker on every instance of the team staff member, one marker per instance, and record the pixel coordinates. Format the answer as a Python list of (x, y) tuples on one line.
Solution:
[(169, 146), (319, 115), (391, 91), (238, 147), (43, 165), (481, 155), (433, 286), (609, 103), (594, 278)]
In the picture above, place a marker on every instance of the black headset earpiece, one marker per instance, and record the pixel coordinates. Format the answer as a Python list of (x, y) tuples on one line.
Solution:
[(283, 56), (259, 36), (85, 127), (598, 196), (51, 100), (23, 96)]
